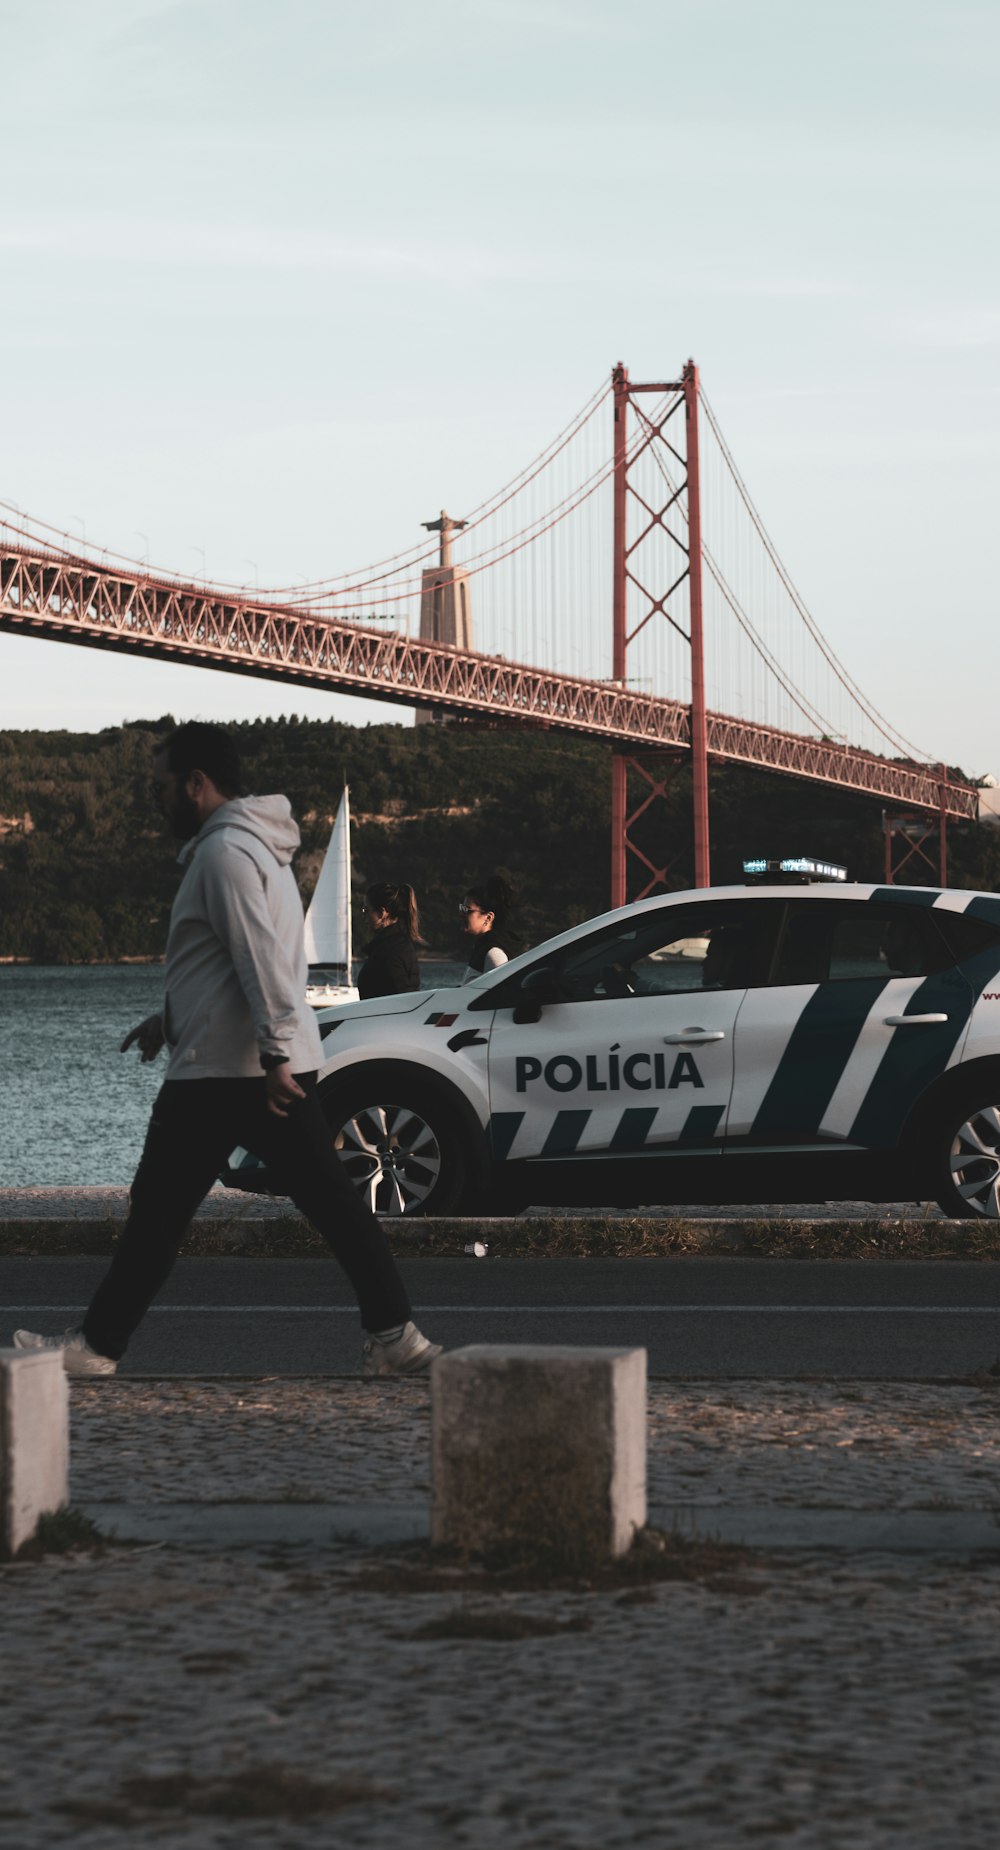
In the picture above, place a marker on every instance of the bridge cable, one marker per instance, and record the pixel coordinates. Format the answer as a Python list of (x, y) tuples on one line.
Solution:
[(872, 713)]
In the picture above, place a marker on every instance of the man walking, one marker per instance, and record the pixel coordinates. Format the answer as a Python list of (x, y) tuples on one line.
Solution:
[(243, 1050)]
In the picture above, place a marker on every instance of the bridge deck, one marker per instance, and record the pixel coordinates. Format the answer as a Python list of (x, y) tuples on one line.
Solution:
[(71, 600)]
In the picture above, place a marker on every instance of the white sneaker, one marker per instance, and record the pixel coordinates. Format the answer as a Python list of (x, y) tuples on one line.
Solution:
[(407, 1354), (78, 1356)]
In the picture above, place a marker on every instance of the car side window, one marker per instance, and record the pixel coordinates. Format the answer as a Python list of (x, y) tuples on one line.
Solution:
[(843, 942), (681, 950), (966, 933)]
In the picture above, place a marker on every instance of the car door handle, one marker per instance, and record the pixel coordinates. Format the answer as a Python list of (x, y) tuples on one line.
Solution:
[(694, 1034), (914, 1021)]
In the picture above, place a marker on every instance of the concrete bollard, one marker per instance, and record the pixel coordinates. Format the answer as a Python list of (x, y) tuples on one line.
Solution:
[(34, 1442), (539, 1448)]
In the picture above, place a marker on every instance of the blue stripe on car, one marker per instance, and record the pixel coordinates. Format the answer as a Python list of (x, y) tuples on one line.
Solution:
[(906, 895), (980, 969), (504, 1126), (984, 906), (701, 1123), (566, 1132), (916, 1057), (821, 1043), (633, 1127)]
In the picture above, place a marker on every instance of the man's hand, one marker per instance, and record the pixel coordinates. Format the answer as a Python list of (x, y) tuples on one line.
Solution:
[(282, 1090), (149, 1035)]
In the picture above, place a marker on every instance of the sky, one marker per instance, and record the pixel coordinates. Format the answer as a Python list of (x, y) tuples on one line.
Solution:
[(277, 282)]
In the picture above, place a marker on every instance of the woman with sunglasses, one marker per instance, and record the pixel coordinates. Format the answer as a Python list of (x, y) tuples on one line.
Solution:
[(485, 912), (390, 965)]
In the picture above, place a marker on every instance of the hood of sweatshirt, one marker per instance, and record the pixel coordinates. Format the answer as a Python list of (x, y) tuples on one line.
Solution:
[(269, 818)]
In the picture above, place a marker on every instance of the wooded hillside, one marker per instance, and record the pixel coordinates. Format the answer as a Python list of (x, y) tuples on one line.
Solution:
[(86, 872)]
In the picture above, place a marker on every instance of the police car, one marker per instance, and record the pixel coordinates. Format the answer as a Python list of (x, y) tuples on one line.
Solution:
[(731, 1044)]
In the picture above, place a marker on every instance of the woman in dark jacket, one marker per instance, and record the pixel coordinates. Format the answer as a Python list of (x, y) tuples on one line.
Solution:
[(390, 965), (486, 910)]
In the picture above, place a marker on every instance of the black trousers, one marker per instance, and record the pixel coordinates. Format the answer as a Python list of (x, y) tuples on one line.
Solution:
[(194, 1125)]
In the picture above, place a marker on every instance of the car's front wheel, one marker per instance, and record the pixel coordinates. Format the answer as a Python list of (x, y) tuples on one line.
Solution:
[(401, 1142), (968, 1161)]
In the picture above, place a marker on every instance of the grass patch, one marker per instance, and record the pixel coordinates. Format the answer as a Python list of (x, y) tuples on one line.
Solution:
[(498, 1627), (212, 1663), (656, 1556), (286, 1235), (64, 1532), (265, 1791)]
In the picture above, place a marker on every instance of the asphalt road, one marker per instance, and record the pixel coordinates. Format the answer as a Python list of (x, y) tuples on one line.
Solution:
[(714, 1318)]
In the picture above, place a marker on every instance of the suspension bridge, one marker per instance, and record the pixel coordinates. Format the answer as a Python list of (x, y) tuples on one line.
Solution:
[(623, 586)]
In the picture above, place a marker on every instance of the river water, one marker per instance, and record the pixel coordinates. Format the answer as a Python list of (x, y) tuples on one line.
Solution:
[(73, 1109)]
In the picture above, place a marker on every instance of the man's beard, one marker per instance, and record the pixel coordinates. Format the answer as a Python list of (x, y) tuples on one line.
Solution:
[(184, 818)]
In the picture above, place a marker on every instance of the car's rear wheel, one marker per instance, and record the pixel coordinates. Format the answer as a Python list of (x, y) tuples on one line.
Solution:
[(400, 1141), (968, 1162)]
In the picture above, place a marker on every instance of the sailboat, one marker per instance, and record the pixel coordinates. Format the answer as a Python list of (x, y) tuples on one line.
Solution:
[(328, 919)]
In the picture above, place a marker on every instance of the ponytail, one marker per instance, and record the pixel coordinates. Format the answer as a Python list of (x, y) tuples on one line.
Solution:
[(400, 902)]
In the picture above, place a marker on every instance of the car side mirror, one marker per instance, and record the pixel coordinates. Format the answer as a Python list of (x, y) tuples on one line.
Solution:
[(538, 987)]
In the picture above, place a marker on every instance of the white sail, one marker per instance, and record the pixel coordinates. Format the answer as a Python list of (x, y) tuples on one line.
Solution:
[(328, 919)]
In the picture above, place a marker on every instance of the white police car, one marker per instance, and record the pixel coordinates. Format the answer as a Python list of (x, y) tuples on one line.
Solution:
[(732, 1044)]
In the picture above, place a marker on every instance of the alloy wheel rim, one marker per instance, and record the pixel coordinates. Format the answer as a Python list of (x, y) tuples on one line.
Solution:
[(975, 1161), (391, 1156)]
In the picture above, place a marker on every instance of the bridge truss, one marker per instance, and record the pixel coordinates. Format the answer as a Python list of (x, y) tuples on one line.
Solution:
[(65, 598)]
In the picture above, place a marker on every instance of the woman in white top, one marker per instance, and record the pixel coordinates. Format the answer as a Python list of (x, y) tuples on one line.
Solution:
[(485, 910)]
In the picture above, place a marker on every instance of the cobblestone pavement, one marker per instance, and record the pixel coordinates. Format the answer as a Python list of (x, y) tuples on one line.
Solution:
[(872, 1445), (823, 1702)]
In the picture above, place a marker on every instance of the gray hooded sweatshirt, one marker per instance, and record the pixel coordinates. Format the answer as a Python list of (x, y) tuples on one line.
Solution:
[(236, 964)]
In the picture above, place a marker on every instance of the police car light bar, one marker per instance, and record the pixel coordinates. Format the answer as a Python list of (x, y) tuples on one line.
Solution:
[(800, 866)]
